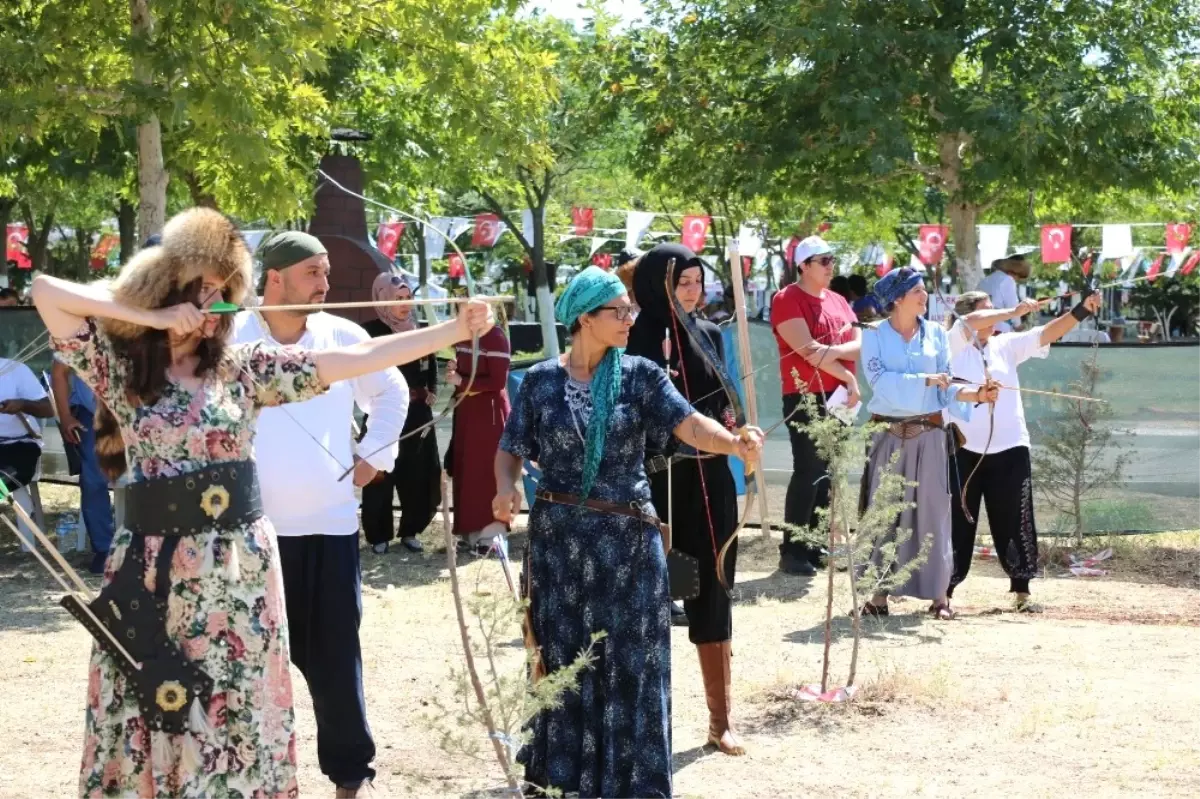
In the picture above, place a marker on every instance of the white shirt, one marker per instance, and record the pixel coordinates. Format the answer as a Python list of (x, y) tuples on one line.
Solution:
[(17, 382), (1002, 288), (1004, 352), (299, 479)]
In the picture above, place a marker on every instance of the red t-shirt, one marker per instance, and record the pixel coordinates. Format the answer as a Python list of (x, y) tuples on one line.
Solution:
[(823, 316)]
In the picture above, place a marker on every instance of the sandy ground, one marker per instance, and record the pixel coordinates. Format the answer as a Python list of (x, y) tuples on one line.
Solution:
[(1098, 695)]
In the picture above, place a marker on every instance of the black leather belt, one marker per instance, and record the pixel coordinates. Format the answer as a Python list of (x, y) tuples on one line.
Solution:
[(220, 496), (660, 463)]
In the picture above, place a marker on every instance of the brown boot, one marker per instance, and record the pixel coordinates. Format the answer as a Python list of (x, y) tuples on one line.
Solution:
[(718, 679)]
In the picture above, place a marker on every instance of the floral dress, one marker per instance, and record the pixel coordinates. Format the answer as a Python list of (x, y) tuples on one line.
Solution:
[(225, 607), (590, 572)]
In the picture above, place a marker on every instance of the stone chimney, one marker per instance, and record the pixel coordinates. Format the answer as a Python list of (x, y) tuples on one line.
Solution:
[(340, 222)]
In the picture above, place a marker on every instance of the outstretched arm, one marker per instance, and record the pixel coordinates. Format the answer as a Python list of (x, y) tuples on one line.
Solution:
[(1065, 323), (709, 435), (373, 355), (978, 320), (64, 305)]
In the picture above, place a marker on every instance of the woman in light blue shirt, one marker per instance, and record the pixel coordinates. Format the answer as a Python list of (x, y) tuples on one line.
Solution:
[(906, 361)]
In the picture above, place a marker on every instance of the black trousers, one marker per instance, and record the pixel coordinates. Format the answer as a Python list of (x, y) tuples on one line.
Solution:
[(18, 462), (809, 487), (1005, 484), (710, 614), (323, 591), (416, 480)]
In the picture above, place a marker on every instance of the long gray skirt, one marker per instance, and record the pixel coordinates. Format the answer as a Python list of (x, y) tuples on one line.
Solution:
[(922, 460)]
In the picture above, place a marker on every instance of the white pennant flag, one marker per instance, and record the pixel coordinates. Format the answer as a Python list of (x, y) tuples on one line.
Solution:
[(1177, 260), (749, 241), (459, 225), (636, 225), (597, 243), (1116, 241), (435, 243), (993, 243)]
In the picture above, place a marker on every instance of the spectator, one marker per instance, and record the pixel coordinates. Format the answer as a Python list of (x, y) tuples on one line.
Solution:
[(22, 402), (76, 405), (840, 285), (9, 298)]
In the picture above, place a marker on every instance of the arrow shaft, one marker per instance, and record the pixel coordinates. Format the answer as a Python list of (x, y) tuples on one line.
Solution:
[(365, 304)]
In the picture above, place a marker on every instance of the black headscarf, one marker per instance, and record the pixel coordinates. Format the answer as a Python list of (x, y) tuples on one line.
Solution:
[(655, 315)]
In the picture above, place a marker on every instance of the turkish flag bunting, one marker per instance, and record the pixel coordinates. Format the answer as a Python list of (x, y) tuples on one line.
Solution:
[(789, 252), (932, 243), (17, 237), (1154, 269), (1178, 234), (603, 260), (885, 267), (1087, 266), (387, 238), (695, 232), (1191, 263), (1056, 244), (583, 220), (456, 267), (487, 230)]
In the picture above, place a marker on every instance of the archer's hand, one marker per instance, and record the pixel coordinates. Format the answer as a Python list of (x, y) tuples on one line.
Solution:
[(940, 381), (475, 319), (1027, 307), (364, 473), (182, 319), (989, 392), (1093, 302), (506, 505), (69, 427), (749, 444)]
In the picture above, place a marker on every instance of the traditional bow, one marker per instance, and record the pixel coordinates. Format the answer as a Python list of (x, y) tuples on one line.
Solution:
[(735, 402)]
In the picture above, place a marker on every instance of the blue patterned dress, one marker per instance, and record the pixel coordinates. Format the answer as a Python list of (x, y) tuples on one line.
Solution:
[(590, 572)]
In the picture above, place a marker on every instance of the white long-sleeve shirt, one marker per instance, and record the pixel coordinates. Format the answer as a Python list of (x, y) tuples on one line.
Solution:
[(299, 479)]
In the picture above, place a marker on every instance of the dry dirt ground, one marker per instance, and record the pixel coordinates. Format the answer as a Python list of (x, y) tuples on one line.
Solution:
[(1097, 696)]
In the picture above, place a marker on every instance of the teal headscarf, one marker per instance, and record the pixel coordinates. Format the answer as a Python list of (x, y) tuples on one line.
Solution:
[(590, 289)]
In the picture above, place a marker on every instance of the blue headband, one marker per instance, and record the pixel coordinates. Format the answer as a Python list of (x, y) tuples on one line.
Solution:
[(590, 289), (896, 284)]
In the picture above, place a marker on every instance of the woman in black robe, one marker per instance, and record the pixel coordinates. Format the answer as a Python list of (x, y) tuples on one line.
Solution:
[(416, 478), (702, 509)]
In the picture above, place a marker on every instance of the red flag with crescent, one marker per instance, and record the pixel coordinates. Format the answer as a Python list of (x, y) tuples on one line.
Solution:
[(1056, 244), (583, 220), (1087, 266), (456, 268), (789, 252), (931, 243), (1191, 263), (487, 230), (17, 237), (603, 260), (387, 238), (884, 266), (695, 232), (1178, 234)]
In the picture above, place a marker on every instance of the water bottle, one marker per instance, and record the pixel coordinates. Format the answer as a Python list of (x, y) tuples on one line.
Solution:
[(68, 523)]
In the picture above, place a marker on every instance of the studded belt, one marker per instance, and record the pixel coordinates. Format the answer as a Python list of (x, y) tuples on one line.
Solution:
[(220, 496)]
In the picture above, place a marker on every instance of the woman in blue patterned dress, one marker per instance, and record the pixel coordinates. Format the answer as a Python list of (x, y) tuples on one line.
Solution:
[(587, 419)]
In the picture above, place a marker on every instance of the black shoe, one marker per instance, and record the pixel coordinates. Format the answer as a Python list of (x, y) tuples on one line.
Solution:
[(678, 615), (98, 561), (412, 544), (380, 549), (800, 567)]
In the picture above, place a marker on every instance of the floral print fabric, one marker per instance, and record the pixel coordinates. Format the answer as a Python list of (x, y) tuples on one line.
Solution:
[(591, 572), (225, 607)]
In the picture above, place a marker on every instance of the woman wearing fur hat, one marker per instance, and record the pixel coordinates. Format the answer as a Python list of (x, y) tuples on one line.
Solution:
[(181, 404), (906, 361)]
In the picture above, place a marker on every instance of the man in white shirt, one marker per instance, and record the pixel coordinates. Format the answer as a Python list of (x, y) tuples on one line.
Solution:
[(23, 401), (301, 451), (1001, 286)]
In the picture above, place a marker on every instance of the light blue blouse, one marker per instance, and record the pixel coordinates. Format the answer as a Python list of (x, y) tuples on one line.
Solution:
[(896, 370)]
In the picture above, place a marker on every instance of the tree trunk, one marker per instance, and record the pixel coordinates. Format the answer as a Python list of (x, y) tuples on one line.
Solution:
[(39, 237), (541, 281), (152, 173), (127, 225), (200, 196), (963, 213)]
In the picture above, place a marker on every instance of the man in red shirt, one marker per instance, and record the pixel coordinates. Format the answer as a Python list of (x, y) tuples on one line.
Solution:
[(817, 353)]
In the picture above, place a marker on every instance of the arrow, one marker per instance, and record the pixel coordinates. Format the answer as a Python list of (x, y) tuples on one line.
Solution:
[(229, 307)]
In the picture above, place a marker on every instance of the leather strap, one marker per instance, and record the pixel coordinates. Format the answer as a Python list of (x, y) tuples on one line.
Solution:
[(633, 510)]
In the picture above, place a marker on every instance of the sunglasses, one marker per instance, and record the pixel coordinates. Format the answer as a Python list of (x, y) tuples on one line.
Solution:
[(823, 260)]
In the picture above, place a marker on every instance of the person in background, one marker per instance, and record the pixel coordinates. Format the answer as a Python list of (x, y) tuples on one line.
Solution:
[(998, 446), (415, 478), (817, 350), (9, 298), (76, 406), (838, 285), (478, 424), (1001, 285), (301, 452), (23, 401), (906, 361)]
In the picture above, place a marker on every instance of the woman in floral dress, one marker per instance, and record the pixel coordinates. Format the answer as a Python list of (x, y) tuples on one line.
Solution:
[(225, 606), (587, 419)]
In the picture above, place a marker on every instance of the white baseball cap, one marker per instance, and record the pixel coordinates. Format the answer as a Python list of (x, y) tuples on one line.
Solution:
[(813, 245)]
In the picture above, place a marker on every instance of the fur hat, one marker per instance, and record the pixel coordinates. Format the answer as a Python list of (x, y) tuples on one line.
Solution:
[(1015, 265), (192, 241)]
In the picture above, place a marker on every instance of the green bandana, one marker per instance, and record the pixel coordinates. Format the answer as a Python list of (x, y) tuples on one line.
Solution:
[(288, 249)]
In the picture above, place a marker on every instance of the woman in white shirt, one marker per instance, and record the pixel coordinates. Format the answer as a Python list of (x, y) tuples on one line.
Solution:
[(994, 462)]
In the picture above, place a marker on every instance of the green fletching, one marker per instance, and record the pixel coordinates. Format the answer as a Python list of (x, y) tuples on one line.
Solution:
[(222, 307)]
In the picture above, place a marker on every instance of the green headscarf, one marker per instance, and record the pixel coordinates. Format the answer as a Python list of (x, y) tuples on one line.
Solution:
[(592, 288)]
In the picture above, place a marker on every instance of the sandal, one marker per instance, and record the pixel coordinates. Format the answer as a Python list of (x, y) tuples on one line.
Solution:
[(1028, 606), (942, 611), (873, 610)]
